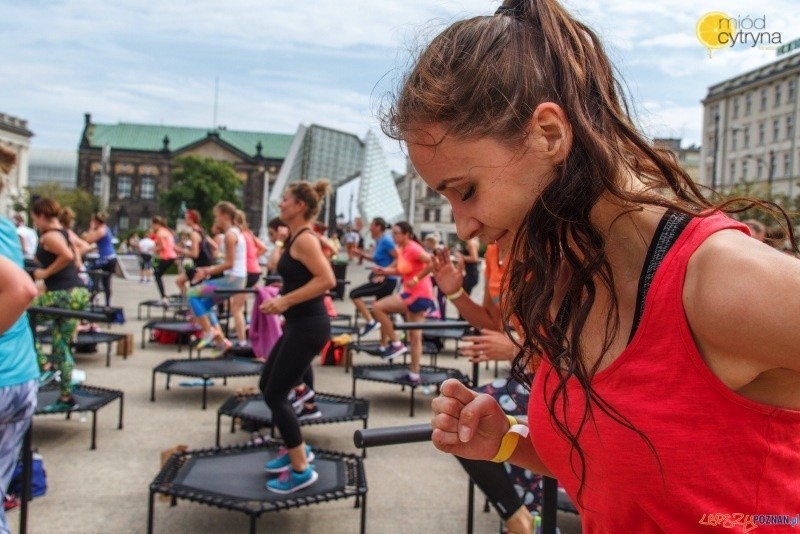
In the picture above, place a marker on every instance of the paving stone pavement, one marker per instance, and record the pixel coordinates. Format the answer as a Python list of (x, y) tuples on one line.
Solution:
[(412, 488)]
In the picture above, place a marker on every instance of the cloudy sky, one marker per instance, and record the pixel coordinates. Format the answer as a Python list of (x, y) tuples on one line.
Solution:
[(281, 63)]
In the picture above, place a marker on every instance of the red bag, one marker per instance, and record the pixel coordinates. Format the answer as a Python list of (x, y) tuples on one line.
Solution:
[(165, 337), (331, 354)]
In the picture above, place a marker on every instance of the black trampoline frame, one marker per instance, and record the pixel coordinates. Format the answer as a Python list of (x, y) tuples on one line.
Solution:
[(175, 325), (165, 485), (110, 395), (177, 305), (232, 408), (165, 365), (89, 338), (358, 373)]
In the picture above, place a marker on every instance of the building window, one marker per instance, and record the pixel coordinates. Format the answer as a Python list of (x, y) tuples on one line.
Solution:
[(124, 223), (97, 186), (124, 186), (746, 137), (776, 130), (777, 95), (148, 188), (760, 169), (789, 127), (787, 164), (733, 138), (427, 215), (761, 133), (764, 99), (748, 103), (744, 170), (790, 92), (736, 108), (144, 223), (733, 172), (437, 215)]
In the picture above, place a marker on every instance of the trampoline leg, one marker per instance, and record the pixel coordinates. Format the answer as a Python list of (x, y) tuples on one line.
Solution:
[(121, 402), (224, 380), (143, 329), (27, 474), (233, 424), (253, 524), (108, 354), (219, 422), (168, 377), (205, 389), (413, 389), (364, 514), (150, 512), (549, 505), (470, 506), (354, 386), (94, 430), (153, 388), (364, 449)]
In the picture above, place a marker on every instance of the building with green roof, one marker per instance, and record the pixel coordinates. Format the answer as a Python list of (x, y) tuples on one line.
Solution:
[(141, 157)]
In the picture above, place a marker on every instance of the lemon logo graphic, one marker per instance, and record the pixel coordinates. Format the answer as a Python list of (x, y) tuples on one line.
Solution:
[(715, 30)]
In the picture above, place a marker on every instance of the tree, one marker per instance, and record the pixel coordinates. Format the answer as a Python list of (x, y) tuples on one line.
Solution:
[(200, 183), (82, 202)]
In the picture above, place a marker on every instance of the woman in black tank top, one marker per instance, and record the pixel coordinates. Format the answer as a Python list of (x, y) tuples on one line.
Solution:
[(307, 275), (65, 289)]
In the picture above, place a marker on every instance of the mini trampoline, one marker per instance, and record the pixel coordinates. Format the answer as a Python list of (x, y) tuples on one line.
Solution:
[(251, 408), (91, 338), (182, 328), (373, 349), (205, 368), (396, 374), (231, 478), (177, 305), (89, 399)]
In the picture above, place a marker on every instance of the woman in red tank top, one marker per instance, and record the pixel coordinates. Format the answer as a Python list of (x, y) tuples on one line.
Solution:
[(669, 393)]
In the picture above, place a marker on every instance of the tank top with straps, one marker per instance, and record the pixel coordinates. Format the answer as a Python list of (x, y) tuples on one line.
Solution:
[(295, 275), (66, 278)]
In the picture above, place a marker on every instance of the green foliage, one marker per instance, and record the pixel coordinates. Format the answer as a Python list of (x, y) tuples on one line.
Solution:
[(761, 192), (82, 202), (200, 183)]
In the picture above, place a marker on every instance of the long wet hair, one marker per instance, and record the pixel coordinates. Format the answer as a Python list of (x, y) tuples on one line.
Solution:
[(483, 78)]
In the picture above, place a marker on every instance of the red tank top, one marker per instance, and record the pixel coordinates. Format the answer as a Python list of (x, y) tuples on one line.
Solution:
[(720, 453)]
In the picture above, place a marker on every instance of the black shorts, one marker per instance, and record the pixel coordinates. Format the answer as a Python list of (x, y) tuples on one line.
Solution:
[(373, 289), (252, 279)]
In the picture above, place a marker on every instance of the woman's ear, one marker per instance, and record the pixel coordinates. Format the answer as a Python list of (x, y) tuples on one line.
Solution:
[(551, 132)]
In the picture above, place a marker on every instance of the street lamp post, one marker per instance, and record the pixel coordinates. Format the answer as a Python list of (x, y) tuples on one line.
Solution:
[(716, 149), (771, 174)]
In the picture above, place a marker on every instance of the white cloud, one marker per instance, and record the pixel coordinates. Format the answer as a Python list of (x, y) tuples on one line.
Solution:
[(329, 62)]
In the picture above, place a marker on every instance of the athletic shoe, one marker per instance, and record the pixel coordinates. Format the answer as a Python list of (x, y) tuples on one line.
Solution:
[(48, 376), (309, 413), (297, 397), (205, 341), (413, 378), (281, 463), (370, 326), (394, 350), (291, 481), (222, 348), (61, 406)]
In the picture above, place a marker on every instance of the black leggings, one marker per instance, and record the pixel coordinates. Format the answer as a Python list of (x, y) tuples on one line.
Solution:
[(287, 365), (108, 266), (494, 482), (163, 265)]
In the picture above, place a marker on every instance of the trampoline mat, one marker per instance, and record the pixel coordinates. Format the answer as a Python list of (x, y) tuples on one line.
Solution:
[(393, 373), (447, 333), (331, 408), (374, 348), (86, 338), (211, 367), (241, 476), (88, 398), (174, 326), (337, 330)]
